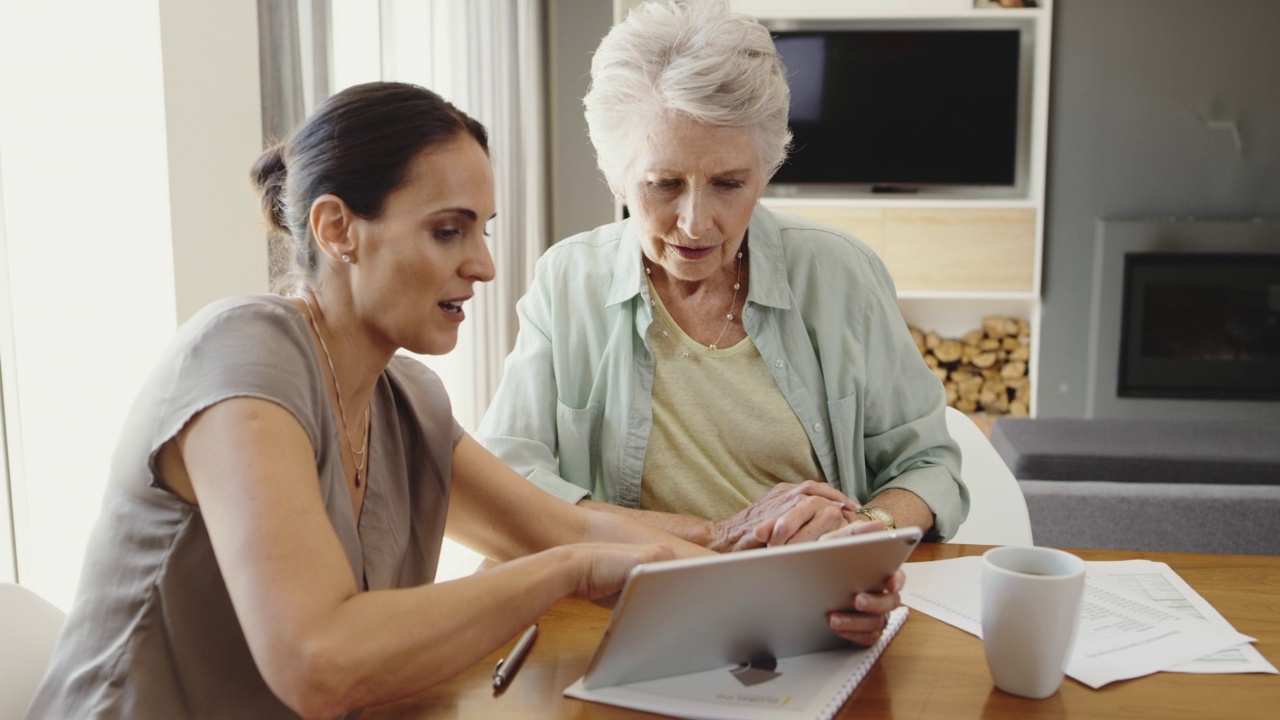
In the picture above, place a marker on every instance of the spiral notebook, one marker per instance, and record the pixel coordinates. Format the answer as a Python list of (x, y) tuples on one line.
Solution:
[(814, 685)]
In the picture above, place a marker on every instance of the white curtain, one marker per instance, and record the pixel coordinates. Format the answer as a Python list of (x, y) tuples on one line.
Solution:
[(293, 57)]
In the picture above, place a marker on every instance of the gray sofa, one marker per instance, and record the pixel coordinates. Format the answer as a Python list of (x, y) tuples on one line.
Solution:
[(1174, 485)]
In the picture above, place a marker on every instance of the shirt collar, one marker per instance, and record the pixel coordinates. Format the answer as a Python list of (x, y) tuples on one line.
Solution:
[(628, 268), (767, 261)]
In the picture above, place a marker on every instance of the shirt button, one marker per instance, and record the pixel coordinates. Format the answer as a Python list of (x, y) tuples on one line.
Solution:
[(664, 333), (777, 363), (817, 427)]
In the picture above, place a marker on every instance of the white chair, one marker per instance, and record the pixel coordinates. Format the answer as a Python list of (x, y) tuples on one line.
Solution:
[(29, 627), (997, 511)]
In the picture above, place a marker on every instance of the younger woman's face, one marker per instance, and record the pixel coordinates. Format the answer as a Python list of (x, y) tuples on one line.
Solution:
[(419, 261)]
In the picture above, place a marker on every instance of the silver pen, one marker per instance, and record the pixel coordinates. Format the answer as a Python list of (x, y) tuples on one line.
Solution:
[(507, 666)]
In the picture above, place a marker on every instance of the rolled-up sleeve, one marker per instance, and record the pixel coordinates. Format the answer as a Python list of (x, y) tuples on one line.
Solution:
[(839, 323), (905, 438)]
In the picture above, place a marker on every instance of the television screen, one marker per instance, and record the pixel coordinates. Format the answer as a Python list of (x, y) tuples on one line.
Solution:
[(902, 107)]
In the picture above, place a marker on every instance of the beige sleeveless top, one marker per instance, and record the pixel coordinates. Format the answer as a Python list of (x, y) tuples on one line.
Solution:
[(723, 434), (152, 633)]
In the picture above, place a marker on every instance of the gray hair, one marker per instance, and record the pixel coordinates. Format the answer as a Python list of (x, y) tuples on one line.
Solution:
[(695, 59)]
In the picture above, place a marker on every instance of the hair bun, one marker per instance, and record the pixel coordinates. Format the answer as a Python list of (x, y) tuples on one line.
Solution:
[(269, 174)]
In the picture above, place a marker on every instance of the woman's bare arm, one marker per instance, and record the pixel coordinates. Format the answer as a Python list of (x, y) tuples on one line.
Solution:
[(495, 511), (320, 645)]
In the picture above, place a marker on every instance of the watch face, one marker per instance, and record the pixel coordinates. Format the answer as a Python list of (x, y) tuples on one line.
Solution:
[(878, 514)]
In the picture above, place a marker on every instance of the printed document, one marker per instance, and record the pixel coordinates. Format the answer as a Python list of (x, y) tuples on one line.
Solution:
[(1160, 584)]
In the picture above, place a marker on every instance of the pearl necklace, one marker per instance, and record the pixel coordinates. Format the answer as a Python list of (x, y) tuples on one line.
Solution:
[(356, 455), (728, 318)]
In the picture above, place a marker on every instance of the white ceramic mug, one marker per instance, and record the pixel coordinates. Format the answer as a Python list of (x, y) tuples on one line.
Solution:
[(1030, 610)]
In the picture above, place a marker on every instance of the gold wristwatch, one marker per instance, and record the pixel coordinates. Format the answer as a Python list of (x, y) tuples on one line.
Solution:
[(875, 513)]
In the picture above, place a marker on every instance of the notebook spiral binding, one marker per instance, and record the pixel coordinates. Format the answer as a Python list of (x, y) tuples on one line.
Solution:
[(894, 622)]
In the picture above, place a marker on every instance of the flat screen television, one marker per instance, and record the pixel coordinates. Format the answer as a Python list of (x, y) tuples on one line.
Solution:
[(906, 109)]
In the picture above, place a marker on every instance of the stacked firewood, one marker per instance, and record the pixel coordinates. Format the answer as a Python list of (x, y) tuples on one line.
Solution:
[(986, 369)]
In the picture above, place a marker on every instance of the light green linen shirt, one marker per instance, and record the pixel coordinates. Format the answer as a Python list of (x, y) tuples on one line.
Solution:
[(574, 410)]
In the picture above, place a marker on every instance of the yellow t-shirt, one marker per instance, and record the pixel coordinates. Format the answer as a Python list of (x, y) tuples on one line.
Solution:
[(723, 434)]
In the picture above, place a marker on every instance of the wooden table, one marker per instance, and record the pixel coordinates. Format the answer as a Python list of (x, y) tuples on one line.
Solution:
[(930, 670)]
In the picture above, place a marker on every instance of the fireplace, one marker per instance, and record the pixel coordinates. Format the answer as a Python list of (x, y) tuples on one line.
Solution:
[(1185, 320), (1200, 325)]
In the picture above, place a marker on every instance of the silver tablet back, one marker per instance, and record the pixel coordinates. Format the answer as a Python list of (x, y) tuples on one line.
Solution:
[(682, 616)]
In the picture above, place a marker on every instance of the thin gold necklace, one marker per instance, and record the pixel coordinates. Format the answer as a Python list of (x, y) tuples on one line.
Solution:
[(728, 317), (356, 455)]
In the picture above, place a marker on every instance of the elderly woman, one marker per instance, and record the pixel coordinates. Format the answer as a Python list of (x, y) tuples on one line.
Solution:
[(280, 490), (732, 375)]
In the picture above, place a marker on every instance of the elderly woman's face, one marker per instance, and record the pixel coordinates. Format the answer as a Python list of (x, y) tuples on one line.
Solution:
[(691, 191)]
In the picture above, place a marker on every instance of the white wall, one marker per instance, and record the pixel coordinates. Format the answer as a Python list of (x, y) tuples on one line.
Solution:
[(127, 128), (213, 120)]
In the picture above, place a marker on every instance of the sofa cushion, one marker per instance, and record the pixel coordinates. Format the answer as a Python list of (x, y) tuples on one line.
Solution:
[(1140, 451), (1217, 518)]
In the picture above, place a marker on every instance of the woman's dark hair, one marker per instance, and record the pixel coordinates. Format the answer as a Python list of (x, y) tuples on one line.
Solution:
[(357, 145)]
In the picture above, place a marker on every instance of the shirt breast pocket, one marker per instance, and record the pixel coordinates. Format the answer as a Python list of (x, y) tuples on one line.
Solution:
[(578, 443)]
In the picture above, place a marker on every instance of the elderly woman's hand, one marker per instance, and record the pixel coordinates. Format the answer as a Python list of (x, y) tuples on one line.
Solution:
[(871, 613), (871, 609), (788, 513)]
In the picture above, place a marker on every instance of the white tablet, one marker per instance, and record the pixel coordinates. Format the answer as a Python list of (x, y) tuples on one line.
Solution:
[(683, 616)]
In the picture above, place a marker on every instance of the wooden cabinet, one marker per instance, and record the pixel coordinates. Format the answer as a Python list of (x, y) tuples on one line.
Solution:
[(961, 249), (944, 250)]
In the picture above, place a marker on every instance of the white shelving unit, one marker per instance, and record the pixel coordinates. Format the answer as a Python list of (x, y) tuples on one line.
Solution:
[(958, 257)]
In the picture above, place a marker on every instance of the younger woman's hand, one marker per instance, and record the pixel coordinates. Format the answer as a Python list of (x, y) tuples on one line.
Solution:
[(603, 567)]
